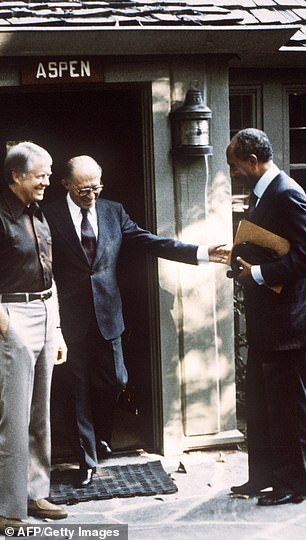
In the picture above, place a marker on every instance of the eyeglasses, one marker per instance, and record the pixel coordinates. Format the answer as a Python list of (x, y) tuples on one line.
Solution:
[(86, 191)]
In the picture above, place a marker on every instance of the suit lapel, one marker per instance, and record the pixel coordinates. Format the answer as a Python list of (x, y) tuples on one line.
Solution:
[(262, 212), (104, 232), (65, 227), (67, 230)]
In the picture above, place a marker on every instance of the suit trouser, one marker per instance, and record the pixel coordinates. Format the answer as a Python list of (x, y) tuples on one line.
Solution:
[(97, 375), (27, 356), (276, 419)]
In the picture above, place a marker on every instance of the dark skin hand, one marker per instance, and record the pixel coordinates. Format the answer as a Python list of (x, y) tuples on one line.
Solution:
[(245, 276)]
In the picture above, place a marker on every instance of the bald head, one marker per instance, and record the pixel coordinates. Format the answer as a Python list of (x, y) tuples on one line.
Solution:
[(82, 166), (83, 180)]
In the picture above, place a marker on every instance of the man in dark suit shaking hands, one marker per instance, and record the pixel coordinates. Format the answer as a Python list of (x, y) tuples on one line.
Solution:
[(276, 327), (87, 234)]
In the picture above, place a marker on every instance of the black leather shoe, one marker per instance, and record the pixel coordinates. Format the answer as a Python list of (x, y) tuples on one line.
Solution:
[(85, 477), (248, 489), (280, 498), (104, 450)]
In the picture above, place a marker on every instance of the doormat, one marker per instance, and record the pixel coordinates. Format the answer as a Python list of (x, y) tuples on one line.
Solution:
[(109, 482)]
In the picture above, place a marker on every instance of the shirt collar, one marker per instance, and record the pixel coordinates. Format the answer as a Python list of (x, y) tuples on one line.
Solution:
[(266, 180), (17, 207), (34, 210), (75, 210)]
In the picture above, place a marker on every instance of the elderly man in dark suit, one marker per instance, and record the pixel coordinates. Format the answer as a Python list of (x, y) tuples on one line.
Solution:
[(276, 327), (87, 234)]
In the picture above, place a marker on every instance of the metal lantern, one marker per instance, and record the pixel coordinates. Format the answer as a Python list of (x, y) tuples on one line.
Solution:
[(191, 126)]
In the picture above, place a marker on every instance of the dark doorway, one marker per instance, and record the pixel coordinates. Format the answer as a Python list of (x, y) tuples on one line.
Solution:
[(108, 124)]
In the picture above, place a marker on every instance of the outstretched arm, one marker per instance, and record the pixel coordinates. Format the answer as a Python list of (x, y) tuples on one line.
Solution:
[(219, 254)]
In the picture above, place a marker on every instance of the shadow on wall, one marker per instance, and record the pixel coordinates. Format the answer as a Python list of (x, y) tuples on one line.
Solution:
[(200, 374)]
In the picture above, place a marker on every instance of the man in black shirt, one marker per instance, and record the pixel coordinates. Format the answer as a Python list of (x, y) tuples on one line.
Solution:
[(28, 339)]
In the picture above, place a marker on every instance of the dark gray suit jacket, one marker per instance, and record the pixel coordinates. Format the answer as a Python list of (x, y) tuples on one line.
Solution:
[(82, 288), (278, 321)]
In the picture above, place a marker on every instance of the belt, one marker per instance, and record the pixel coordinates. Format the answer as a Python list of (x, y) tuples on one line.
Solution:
[(25, 297)]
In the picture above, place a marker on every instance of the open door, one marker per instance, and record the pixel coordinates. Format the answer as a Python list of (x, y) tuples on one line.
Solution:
[(108, 124)]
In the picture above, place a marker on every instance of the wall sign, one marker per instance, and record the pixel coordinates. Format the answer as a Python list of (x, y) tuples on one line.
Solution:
[(62, 70)]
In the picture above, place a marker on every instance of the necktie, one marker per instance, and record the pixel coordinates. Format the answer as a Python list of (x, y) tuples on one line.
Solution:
[(252, 203), (88, 238)]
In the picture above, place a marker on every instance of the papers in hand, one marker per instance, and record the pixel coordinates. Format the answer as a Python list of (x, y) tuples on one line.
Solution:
[(249, 232)]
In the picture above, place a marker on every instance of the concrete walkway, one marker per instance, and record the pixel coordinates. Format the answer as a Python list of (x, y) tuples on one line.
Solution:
[(202, 509)]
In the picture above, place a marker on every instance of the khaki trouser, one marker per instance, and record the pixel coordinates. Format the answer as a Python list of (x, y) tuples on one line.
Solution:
[(27, 355)]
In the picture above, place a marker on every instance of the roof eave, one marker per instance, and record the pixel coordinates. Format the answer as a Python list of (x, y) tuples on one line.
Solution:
[(293, 48), (34, 41)]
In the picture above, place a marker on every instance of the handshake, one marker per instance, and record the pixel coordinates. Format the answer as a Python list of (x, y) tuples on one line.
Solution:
[(249, 253), (219, 254)]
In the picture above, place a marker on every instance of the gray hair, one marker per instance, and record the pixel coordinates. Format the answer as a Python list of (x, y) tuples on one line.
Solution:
[(19, 158)]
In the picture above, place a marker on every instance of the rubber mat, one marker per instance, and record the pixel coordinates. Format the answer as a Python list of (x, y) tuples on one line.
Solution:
[(108, 482)]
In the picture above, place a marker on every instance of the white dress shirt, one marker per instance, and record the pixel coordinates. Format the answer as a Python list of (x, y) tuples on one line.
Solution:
[(202, 254), (76, 216)]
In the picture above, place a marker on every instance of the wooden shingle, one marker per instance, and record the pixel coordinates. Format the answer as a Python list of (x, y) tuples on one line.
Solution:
[(154, 13)]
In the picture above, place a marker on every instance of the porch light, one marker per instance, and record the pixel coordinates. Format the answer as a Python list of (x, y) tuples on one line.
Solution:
[(191, 126)]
